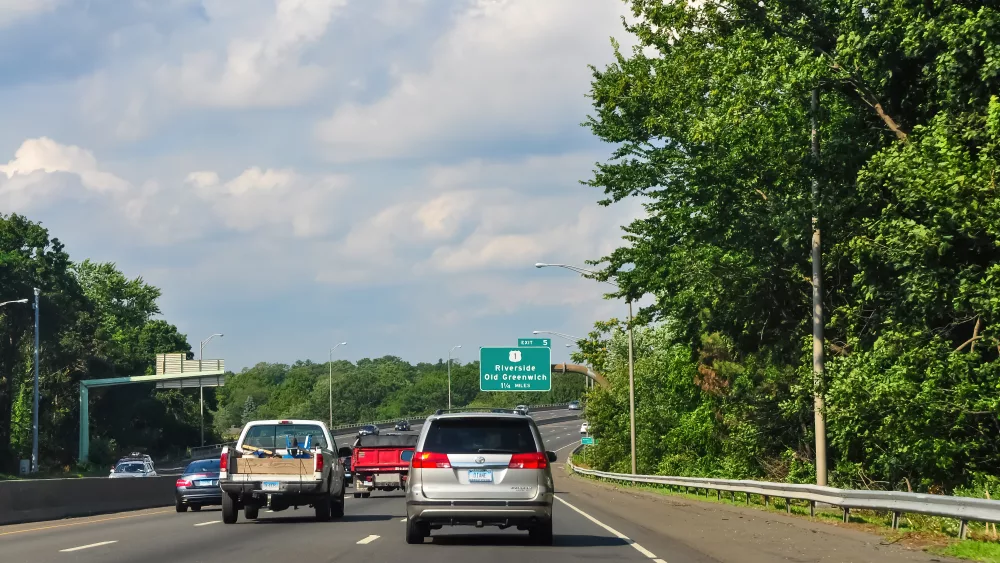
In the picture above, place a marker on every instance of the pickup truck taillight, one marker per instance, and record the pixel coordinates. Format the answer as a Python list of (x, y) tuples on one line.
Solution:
[(533, 460), (319, 462), (224, 461), (430, 460)]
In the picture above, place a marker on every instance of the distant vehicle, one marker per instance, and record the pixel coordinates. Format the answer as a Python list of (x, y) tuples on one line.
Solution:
[(280, 464), (574, 405), (381, 462), (480, 469), (135, 465), (501, 411), (348, 474), (198, 486), (521, 409), (403, 425), (368, 430), (584, 428)]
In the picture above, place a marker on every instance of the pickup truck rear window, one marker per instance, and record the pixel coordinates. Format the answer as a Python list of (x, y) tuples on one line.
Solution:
[(477, 435), (272, 436)]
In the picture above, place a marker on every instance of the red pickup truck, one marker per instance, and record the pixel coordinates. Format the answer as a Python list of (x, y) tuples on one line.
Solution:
[(381, 461)]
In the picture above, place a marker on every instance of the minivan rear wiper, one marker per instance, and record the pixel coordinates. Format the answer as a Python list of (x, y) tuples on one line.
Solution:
[(495, 451)]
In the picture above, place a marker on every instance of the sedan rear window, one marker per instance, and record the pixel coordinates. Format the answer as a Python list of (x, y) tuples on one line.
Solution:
[(205, 466), (477, 435)]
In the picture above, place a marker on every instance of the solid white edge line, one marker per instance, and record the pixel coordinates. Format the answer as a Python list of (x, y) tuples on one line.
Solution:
[(568, 445), (615, 532), (98, 544), (368, 540)]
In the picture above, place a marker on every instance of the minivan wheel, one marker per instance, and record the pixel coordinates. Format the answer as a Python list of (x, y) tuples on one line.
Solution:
[(416, 531), (541, 534)]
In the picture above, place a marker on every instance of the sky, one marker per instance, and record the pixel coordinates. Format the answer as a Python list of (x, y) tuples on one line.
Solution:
[(297, 173)]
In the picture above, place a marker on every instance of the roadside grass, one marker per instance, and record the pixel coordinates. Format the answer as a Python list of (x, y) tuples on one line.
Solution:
[(930, 533), (61, 473)]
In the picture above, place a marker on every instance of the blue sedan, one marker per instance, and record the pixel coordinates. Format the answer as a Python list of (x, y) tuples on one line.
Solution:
[(198, 486)]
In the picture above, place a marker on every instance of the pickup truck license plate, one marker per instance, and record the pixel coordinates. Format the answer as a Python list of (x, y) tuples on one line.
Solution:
[(480, 475), (270, 486)]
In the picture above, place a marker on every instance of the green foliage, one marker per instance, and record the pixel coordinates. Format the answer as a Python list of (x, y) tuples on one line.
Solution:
[(710, 117), (94, 322), (372, 389)]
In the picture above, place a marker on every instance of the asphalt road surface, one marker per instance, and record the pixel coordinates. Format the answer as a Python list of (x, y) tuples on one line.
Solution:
[(593, 522)]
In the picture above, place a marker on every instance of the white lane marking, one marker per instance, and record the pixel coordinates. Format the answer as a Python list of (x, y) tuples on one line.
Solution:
[(403, 520), (568, 445), (98, 544), (617, 534), (368, 540), (209, 522)]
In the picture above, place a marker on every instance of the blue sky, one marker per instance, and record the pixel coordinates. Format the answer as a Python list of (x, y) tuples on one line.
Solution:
[(296, 173)]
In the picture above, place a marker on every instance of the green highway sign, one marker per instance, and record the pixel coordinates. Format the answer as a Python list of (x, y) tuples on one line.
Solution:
[(515, 369), (546, 342), (588, 441)]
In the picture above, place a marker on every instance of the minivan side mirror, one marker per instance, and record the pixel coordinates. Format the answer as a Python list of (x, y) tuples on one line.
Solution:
[(344, 451), (551, 456)]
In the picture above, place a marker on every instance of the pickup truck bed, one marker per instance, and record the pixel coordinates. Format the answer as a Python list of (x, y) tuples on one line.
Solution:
[(382, 462)]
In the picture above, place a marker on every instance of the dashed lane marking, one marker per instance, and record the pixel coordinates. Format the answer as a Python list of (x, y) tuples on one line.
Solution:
[(207, 523), (40, 528), (98, 544), (616, 533), (368, 540), (403, 520)]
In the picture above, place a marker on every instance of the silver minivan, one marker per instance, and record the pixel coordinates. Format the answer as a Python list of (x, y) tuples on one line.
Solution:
[(480, 469)]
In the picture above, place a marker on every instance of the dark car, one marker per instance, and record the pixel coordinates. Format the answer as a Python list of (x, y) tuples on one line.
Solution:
[(348, 474), (368, 430), (198, 486), (403, 425)]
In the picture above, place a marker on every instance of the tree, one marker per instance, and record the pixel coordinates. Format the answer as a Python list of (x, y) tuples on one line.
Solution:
[(249, 409)]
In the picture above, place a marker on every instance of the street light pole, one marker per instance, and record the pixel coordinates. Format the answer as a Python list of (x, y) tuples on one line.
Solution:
[(631, 359), (449, 374), (201, 389), (34, 414), (331, 379)]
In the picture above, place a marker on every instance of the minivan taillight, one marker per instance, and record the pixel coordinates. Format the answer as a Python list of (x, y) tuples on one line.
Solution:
[(319, 462), (430, 460), (224, 461), (533, 460)]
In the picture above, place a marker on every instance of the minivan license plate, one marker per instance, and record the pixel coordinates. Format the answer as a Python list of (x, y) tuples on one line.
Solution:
[(269, 485), (481, 476)]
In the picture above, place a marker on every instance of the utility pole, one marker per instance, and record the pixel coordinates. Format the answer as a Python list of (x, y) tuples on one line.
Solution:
[(331, 379), (449, 373), (34, 415), (201, 388), (817, 299)]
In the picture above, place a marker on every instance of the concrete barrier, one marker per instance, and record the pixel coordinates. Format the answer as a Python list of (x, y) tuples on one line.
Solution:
[(34, 500)]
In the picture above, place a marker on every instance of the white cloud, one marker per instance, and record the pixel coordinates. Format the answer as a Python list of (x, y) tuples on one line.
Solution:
[(261, 67), (14, 10), (506, 67)]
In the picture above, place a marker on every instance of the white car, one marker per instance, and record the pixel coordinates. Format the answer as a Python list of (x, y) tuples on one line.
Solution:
[(129, 469), (584, 428)]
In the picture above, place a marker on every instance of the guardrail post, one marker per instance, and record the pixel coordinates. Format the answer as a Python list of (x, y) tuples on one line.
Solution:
[(748, 498), (963, 529), (766, 498), (788, 506), (847, 515), (812, 509), (718, 494), (895, 520)]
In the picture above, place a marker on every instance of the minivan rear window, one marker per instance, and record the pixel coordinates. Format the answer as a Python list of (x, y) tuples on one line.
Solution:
[(476, 435)]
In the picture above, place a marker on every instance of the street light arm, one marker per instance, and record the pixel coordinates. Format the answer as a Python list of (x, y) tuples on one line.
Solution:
[(569, 337), (20, 301), (582, 271)]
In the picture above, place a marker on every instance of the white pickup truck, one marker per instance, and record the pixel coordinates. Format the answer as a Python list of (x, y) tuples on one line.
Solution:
[(282, 464)]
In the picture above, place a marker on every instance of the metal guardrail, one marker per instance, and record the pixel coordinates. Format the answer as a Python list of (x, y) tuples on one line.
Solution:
[(214, 449), (963, 509)]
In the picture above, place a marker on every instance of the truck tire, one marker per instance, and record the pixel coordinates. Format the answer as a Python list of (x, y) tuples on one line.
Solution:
[(229, 507), (416, 531), (323, 508), (337, 508), (542, 533), (250, 512)]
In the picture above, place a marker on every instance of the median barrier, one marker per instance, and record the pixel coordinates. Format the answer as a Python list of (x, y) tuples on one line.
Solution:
[(34, 500)]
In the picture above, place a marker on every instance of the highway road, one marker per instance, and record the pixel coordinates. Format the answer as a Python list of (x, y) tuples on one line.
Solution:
[(594, 522)]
